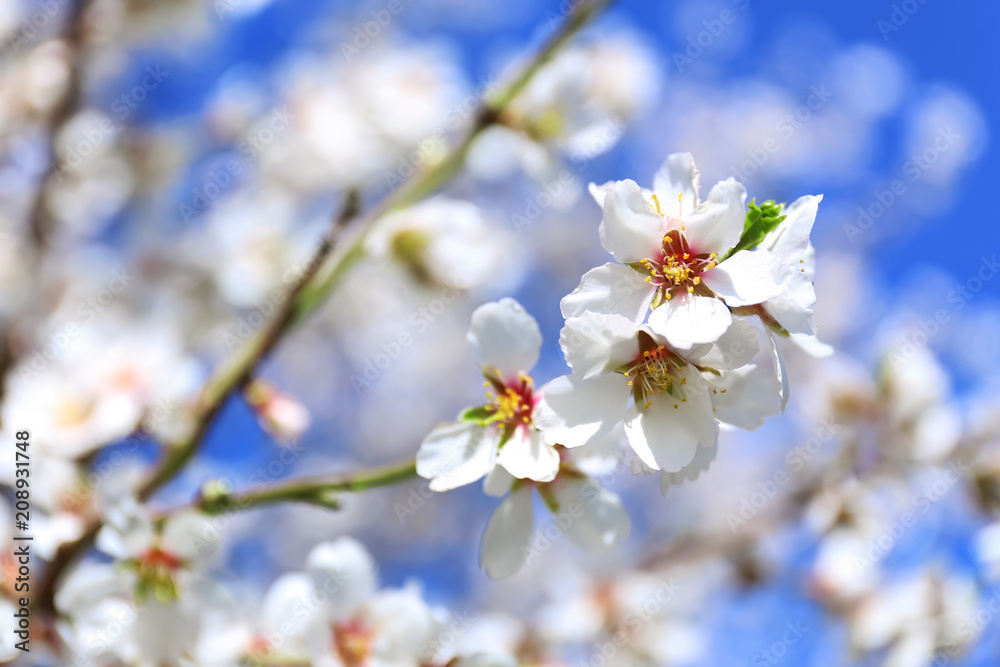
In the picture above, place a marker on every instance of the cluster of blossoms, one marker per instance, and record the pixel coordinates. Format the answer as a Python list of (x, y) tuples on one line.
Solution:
[(673, 341)]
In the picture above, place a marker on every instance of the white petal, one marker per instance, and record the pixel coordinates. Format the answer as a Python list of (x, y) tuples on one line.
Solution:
[(527, 456), (456, 454), (405, 627), (630, 230), (128, 530), (592, 517), (677, 176), (574, 411), (503, 336), (344, 571), (735, 348), (812, 345), (498, 482), (191, 537), (748, 277), (703, 458), (790, 239), (599, 192), (792, 308), (665, 437), (287, 595), (688, 320), (782, 373), (612, 288), (595, 343), (604, 454), (747, 396), (502, 552), (717, 225)]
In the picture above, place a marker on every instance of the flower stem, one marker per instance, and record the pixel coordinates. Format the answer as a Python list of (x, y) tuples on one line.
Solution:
[(312, 490)]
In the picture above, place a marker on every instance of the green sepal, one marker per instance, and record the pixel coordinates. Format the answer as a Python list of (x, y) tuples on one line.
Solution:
[(548, 497), (760, 221), (478, 415), (507, 434)]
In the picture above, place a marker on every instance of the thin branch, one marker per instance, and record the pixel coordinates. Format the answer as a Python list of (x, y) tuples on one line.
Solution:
[(39, 219), (318, 491)]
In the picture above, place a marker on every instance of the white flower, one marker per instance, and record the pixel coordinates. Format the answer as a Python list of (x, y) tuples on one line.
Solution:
[(592, 517), (678, 396), (672, 251), (442, 242), (332, 615), (506, 341)]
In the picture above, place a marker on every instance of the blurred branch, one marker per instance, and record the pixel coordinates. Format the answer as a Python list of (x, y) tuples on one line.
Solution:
[(39, 219), (311, 490), (318, 284)]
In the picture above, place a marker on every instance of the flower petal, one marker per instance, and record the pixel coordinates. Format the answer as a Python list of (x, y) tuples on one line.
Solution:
[(689, 319), (748, 277), (599, 192), (502, 552), (456, 454), (527, 456), (503, 336), (747, 396), (344, 571), (574, 411), (666, 437), (595, 343), (592, 517), (191, 537), (703, 458), (676, 185), (790, 239), (792, 308), (812, 345), (630, 230), (612, 288), (498, 482), (717, 225), (735, 348)]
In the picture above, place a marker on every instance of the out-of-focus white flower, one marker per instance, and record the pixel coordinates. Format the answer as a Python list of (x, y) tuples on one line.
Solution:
[(678, 396), (332, 614), (107, 382), (581, 100), (506, 342), (442, 242), (916, 618), (346, 128), (672, 252)]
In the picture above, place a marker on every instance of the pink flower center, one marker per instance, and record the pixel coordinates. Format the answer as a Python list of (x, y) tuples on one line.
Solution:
[(513, 402), (678, 267)]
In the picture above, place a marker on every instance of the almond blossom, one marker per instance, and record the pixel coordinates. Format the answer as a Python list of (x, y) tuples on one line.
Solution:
[(673, 253), (671, 399), (506, 342)]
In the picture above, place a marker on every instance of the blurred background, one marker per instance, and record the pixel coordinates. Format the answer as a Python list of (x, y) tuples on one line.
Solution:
[(201, 148)]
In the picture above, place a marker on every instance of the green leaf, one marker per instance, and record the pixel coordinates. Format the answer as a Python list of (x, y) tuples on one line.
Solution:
[(761, 221), (479, 415)]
